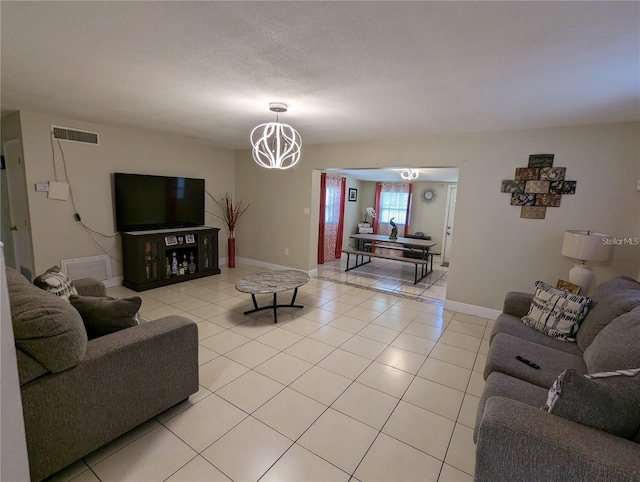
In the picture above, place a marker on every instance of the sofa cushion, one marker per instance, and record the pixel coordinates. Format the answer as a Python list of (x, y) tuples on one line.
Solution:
[(104, 315), (45, 327), (610, 299), (607, 401), (617, 346), (55, 281), (502, 358), (513, 326), (501, 385), (556, 313)]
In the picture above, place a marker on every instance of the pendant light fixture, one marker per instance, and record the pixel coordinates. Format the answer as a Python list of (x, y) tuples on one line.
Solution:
[(276, 145), (409, 174)]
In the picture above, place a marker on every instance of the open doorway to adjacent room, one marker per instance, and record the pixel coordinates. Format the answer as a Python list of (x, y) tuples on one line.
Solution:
[(430, 214)]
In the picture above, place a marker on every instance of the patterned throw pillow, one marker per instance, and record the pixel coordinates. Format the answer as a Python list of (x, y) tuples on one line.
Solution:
[(607, 401), (55, 281), (556, 313)]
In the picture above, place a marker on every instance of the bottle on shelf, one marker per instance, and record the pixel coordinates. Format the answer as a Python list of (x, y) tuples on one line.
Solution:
[(174, 264), (192, 265)]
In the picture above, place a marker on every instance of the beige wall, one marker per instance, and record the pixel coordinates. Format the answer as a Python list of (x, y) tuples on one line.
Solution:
[(56, 235), (494, 249), (428, 217)]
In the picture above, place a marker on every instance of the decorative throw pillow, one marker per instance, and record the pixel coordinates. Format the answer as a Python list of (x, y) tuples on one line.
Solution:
[(104, 315), (607, 401), (556, 313), (55, 281)]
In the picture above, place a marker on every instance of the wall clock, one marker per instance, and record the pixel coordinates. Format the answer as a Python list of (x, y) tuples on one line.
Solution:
[(428, 195)]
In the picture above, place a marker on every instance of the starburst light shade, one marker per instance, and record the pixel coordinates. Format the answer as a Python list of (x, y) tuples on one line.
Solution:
[(276, 145)]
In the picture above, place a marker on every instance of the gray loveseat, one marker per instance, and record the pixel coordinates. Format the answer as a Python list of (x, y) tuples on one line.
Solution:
[(78, 394), (515, 438)]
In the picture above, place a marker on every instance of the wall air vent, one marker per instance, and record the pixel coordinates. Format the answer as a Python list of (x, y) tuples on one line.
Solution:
[(66, 134)]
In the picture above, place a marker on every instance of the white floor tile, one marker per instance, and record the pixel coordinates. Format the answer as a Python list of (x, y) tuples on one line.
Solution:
[(451, 474), (290, 413), (309, 350), (247, 451), (345, 363), (416, 344), (468, 411), (322, 385), (198, 470), (366, 404), (454, 355), (387, 379), (252, 354), (339, 439), (391, 460), (301, 465), (402, 359), (445, 373), (205, 422), (421, 429), (279, 339), (365, 347), (283, 368), (249, 391), (462, 451), (435, 397), (154, 456), (220, 371)]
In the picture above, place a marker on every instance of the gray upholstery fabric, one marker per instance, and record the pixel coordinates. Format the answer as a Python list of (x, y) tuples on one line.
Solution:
[(55, 281), (45, 327), (609, 300), (617, 346), (517, 303), (501, 385), (103, 315), (28, 368), (513, 326), (126, 378), (89, 287), (517, 442), (611, 404), (502, 358)]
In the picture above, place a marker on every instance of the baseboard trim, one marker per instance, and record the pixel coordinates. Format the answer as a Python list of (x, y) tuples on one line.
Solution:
[(481, 311), (262, 264), (114, 281)]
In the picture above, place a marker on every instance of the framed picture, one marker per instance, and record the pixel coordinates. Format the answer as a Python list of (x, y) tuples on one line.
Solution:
[(170, 240), (353, 194), (190, 238), (566, 286)]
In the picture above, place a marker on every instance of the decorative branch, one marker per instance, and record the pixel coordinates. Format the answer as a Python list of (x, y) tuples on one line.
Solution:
[(231, 211)]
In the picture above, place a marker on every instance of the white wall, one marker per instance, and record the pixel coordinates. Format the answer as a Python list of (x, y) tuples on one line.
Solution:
[(56, 235), (494, 249), (428, 217)]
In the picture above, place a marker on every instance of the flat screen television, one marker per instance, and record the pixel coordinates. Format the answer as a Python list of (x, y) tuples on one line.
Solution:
[(145, 202)]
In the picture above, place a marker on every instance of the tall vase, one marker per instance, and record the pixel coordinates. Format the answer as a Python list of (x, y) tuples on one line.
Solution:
[(231, 250)]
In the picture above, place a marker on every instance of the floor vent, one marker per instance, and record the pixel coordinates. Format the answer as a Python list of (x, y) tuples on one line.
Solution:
[(66, 134), (98, 267)]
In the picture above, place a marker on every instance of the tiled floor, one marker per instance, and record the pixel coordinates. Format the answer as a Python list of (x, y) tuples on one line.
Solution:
[(359, 385), (390, 276)]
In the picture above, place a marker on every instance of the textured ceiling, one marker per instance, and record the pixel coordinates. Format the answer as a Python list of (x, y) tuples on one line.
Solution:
[(350, 71)]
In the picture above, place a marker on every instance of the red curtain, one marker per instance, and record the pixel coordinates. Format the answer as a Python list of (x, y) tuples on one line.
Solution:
[(393, 200), (323, 201), (330, 229)]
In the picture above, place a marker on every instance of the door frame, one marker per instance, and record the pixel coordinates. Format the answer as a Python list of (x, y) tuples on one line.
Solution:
[(447, 213)]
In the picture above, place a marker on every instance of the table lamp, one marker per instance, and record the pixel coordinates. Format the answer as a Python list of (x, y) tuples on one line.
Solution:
[(584, 246)]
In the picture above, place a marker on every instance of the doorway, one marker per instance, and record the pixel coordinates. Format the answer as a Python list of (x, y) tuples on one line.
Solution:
[(19, 226)]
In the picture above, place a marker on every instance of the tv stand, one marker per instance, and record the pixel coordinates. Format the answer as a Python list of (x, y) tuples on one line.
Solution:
[(165, 256)]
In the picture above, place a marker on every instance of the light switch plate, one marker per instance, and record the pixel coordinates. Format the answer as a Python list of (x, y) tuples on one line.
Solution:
[(42, 186)]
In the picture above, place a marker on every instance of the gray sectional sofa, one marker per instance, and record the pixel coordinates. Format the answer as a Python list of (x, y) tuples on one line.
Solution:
[(517, 440), (79, 393)]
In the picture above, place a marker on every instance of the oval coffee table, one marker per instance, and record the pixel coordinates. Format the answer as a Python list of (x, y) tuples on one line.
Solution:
[(272, 282)]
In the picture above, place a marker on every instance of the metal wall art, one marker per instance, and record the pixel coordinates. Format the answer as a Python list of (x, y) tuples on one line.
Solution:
[(538, 186)]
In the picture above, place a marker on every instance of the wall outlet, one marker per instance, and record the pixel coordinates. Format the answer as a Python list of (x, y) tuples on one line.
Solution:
[(286, 251)]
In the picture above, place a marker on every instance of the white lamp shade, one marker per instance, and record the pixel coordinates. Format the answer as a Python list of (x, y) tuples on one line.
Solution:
[(586, 246)]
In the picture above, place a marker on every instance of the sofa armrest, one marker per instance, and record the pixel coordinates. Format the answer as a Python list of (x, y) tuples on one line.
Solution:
[(517, 303), (126, 378), (89, 287), (520, 442)]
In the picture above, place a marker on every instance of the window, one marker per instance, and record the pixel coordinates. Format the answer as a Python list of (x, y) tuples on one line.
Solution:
[(393, 205)]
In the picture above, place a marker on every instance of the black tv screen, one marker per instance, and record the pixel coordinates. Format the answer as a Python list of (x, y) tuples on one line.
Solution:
[(145, 202)]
